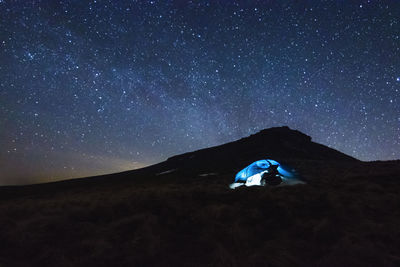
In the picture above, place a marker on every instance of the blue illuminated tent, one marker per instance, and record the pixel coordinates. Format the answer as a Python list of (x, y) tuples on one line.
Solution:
[(262, 166)]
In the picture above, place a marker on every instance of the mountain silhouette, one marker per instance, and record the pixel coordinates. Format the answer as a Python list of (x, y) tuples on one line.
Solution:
[(181, 212), (279, 143), (283, 144)]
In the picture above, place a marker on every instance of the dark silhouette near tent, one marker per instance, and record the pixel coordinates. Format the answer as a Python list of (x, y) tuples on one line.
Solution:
[(272, 177)]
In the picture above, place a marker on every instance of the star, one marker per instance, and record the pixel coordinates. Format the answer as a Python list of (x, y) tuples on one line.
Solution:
[(92, 84)]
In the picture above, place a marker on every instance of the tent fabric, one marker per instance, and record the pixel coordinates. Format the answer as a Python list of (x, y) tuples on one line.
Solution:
[(259, 167)]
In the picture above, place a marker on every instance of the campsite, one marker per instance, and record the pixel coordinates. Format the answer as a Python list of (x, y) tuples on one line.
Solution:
[(199, 133), (182, 212)]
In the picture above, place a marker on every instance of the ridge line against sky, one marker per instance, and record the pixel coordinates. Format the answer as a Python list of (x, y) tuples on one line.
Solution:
[(135, 82)]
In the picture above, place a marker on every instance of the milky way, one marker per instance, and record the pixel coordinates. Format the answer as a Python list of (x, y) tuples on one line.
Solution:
[(91, 87)]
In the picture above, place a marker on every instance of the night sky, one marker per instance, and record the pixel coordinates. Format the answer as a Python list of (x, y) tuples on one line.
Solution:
[(92, 87)]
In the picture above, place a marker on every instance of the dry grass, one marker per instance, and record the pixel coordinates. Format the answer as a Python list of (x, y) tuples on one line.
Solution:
[(336, 221)]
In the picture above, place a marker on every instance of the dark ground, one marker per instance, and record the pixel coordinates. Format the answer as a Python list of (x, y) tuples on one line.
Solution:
[(348, 214)]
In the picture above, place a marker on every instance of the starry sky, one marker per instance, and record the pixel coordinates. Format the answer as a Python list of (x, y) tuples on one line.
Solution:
[(93, 87)]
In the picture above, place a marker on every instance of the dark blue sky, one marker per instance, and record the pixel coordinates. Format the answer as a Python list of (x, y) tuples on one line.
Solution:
[(90, 87)]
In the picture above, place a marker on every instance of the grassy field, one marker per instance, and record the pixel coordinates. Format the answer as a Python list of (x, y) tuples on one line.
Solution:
[(343, 216)]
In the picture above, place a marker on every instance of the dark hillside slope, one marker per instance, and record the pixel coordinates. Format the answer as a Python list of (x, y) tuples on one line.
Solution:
[(168, 215), (279, 143)]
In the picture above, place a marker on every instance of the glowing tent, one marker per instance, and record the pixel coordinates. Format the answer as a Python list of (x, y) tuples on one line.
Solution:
[(253, 174)]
